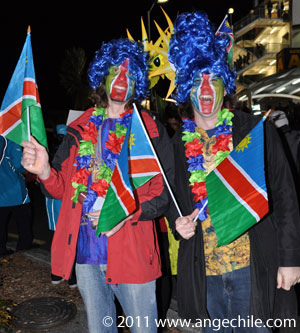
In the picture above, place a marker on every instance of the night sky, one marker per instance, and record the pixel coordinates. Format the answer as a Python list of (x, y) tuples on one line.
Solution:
[(54, 30)]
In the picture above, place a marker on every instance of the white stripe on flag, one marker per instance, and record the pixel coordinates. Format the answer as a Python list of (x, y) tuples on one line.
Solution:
[(17, 102), (11, 106), (144, 174), (238, 198), (127, 188), (12, 127), (140, 157), (30, 79), (250, 180), (120, 201), (20, 98), (29, 97)]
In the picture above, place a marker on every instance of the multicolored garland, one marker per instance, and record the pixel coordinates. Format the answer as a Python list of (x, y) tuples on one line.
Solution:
[(86, 159), (196, 161)]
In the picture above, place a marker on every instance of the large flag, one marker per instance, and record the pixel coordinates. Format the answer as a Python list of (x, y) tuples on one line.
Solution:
[(136, 165), (225, 28), (236, 188), (21, 102)]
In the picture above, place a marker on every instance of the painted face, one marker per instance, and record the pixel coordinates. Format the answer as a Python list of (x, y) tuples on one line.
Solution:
[(207, 94), (119, 83)]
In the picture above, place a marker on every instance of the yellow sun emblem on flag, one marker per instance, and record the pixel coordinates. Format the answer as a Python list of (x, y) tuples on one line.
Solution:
[(243, 144), (131, 140)]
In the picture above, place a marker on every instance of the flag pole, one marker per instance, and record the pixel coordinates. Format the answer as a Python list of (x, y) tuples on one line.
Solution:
[(158, 162), (27, 109), (28, 122), (267, 114), (222, 23)]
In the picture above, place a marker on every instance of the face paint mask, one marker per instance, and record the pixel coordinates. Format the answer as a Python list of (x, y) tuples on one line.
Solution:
[(207, 94), (119, 83)]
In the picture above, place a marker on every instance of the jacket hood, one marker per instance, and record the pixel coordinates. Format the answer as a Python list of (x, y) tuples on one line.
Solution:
[(81, 121)]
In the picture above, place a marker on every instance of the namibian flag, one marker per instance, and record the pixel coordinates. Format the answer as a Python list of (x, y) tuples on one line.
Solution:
[(236, 189), (136, 165), (142, 161), (21, 102), (225, 28)]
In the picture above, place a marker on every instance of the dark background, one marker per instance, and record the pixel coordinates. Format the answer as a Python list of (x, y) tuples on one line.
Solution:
[(55, 29)]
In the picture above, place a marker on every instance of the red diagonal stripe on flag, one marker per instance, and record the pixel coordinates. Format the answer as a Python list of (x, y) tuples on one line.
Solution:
[(143, 165), (122, 191), (10, 117), (229, 46), (30, 89), (256, 201)]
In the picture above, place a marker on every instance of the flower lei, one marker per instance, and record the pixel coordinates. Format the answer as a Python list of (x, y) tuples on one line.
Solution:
[(194, 153), (86, 158)]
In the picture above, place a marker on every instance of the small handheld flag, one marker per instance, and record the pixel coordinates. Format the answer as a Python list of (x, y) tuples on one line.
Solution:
[(225, 28), (236, 188), (21, 111), (137, 164), (119, 201), (157, 160)]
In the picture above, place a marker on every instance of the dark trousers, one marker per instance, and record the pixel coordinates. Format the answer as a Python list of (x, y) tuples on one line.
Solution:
[(22, 215), (163, 295), (164, 283), (228, 298)]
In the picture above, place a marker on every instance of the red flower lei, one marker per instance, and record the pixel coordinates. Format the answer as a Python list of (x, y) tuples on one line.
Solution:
[(86, 154), (194, 153)]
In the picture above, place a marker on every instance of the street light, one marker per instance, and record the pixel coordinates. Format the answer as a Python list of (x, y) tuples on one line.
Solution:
[(230, 12), (148, 15)]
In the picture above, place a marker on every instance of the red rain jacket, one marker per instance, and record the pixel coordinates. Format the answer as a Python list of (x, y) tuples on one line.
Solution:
[(133, 253)]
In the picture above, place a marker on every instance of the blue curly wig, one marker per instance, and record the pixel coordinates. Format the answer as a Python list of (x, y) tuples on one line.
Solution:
[(195, 47), (114, 53)]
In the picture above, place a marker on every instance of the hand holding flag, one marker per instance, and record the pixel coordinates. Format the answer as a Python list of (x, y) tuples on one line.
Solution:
[(186, 226), (35, 158)]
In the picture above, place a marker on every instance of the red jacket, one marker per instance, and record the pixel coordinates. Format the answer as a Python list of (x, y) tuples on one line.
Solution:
[(133, 253)]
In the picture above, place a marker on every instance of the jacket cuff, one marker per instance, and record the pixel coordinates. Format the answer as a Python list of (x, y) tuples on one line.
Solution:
[(50, 179)]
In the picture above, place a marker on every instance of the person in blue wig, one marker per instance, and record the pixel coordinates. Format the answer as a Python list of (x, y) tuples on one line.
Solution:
[(125, 261), (255, 274)]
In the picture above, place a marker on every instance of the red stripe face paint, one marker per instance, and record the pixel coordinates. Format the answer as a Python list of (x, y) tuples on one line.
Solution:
[(119, 83), (207, 94)]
